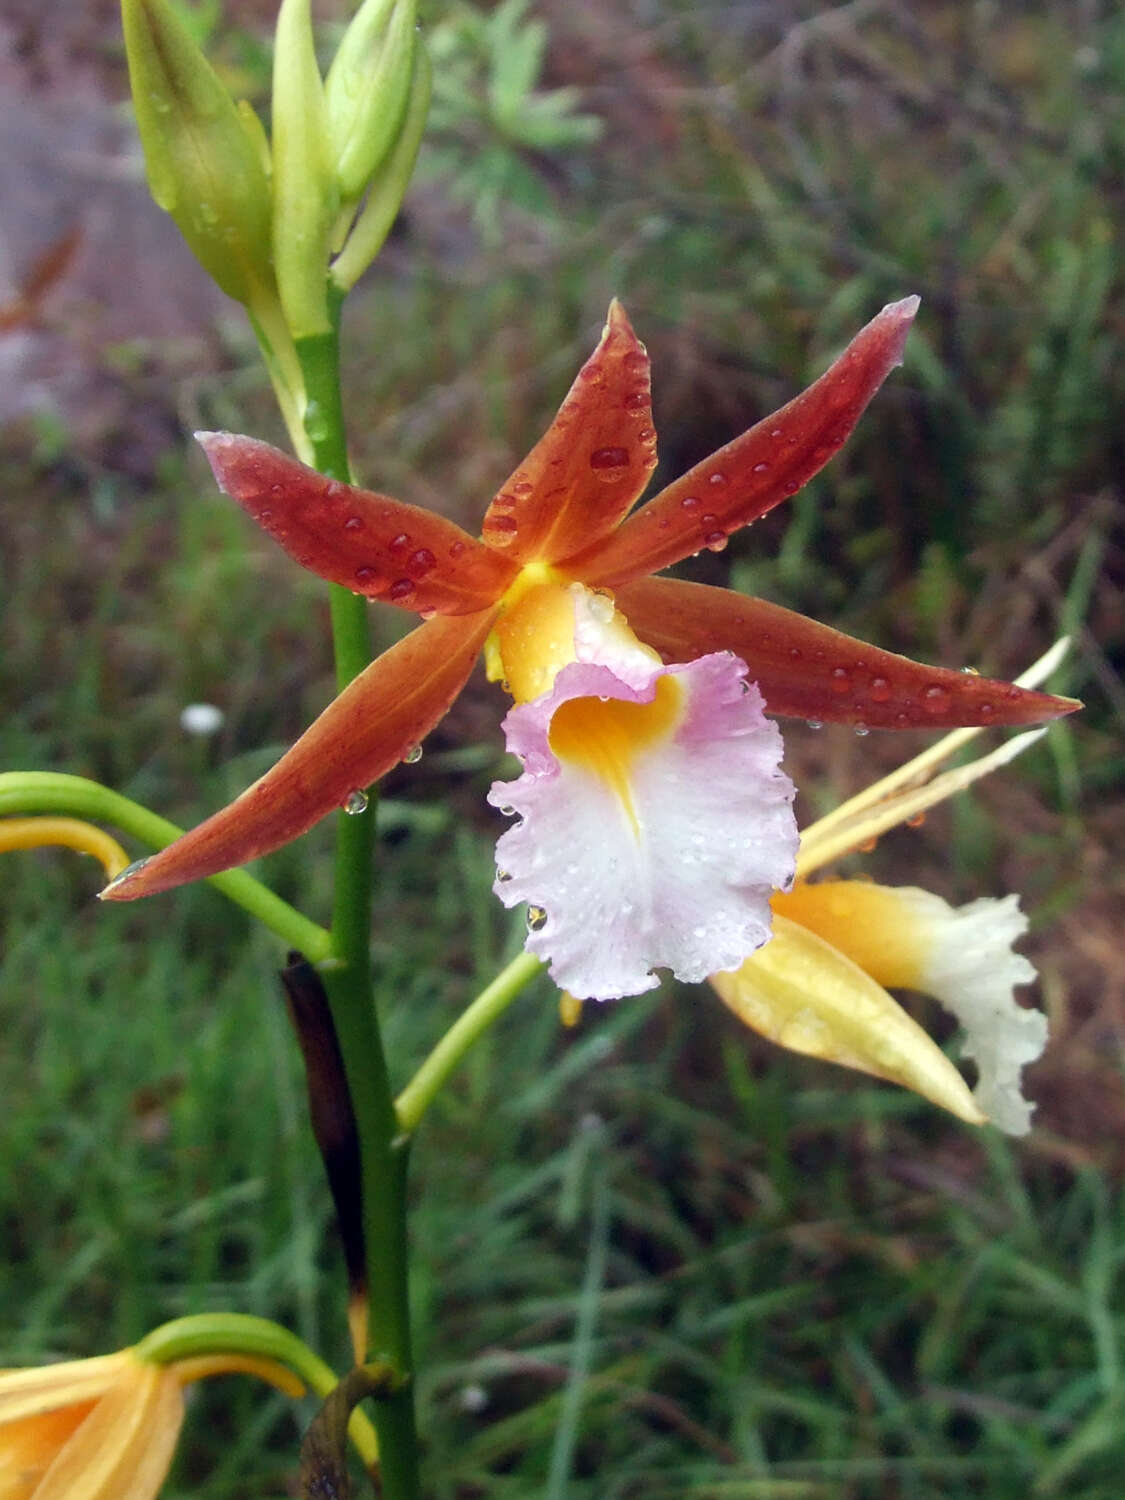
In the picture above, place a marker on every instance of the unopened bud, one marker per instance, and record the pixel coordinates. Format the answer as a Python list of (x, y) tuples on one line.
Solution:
[(203, 164), (304, 184), (366, 91)]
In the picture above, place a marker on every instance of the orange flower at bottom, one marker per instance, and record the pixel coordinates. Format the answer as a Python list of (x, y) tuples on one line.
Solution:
[(103, 1428)]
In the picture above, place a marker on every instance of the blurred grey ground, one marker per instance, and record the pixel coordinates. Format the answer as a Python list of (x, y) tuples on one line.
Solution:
[(70, 162)]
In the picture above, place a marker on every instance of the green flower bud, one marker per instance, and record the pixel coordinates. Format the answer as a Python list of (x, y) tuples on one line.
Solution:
[(385, 198), (202, 164), (367, 89), (305, 196)]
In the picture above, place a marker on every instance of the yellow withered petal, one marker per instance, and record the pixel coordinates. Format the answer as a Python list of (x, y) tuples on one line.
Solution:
[(802, 993), (69, 833)]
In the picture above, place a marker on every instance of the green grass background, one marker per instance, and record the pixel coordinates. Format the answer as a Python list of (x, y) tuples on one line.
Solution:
[(653, 1256)]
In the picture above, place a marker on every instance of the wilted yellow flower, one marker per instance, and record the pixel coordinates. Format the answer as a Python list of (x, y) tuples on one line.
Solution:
[(104, 1428)]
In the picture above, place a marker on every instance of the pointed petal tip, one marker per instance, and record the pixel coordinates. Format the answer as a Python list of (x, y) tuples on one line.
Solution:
[(617, 321), (906, 308)]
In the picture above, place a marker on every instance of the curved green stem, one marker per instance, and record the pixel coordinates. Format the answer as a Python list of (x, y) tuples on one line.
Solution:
[(349, 986), (53, 792), (240, 1333), (469, 1027)]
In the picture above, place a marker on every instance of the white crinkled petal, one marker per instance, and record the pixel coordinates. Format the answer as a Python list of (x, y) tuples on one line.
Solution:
[(687, 885), (972, 969)]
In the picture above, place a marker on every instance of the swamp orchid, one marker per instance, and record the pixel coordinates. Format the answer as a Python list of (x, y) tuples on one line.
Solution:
[(819, 987), (655, 822)]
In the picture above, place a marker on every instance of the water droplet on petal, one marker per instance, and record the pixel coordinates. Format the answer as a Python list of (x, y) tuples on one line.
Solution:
[(399, 543), (368, 579), (412, 755), (880, 689), (636, 402), (355, 803), (690, 502), (522, 487), (795, 653), (508, 812), (861, 730), (935, 700), (717, 479), (422, 562), (536, 919), (970, 671), (456, 549), (277, 489), (986, 710), (608, 464), (814, 724), (840, 681), (353, 523), (402, 591), (916, 821), (762, 468), (500, 530), (715, 541), (635, 363)]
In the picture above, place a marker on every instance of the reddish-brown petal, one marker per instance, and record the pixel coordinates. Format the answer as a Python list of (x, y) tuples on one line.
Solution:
[(592, 464), (810, 671), (756, 471), (368, 729), (371, 544)]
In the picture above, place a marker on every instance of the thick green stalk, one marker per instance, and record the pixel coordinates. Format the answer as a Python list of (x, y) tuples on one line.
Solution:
[(349, 986)]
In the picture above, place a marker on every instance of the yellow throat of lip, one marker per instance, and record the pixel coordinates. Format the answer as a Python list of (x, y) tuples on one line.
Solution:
[(533, 641)]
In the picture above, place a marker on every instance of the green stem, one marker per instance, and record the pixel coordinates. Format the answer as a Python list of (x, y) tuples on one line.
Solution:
[(24, 792), (469, 1027), (239, 1333), (349, 986)]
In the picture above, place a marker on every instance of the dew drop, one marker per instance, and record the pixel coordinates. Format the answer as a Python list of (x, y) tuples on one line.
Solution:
[(422, 562), (689, 502), (970, 671), (795, 653), (916, 821), (333, 489), (636, 402), (399, 543), (412, 755), (840, 681), (608, 464), (880, 689), (775, 432), (814, 724), (353, 523), (536, 919), (277, 490), (264, 517), (501, 530), (522, 487), (355, 803), (762, 468), (401, 591), (635, 363), (368, 578), (717, 479), (861, 730), (456, 549), (902, 721), (986, 710), (935, 700), (507, 811), (715, 541)]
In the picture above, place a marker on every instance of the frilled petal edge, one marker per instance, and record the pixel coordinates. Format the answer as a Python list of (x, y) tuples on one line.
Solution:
[(654, 823)]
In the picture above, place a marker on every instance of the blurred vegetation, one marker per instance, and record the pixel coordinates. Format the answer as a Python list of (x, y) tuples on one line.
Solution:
[(654, 1257)]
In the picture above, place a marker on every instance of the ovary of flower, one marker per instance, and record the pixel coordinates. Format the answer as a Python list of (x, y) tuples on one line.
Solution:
[(818, 987), (563, 518), (103, 1428)]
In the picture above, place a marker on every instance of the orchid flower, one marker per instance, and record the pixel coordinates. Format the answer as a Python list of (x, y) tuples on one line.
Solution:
[(656, 822), (818, 987), (105, 1428)]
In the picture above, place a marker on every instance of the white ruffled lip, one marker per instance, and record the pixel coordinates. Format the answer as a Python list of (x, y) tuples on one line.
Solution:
[(682, 879)]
